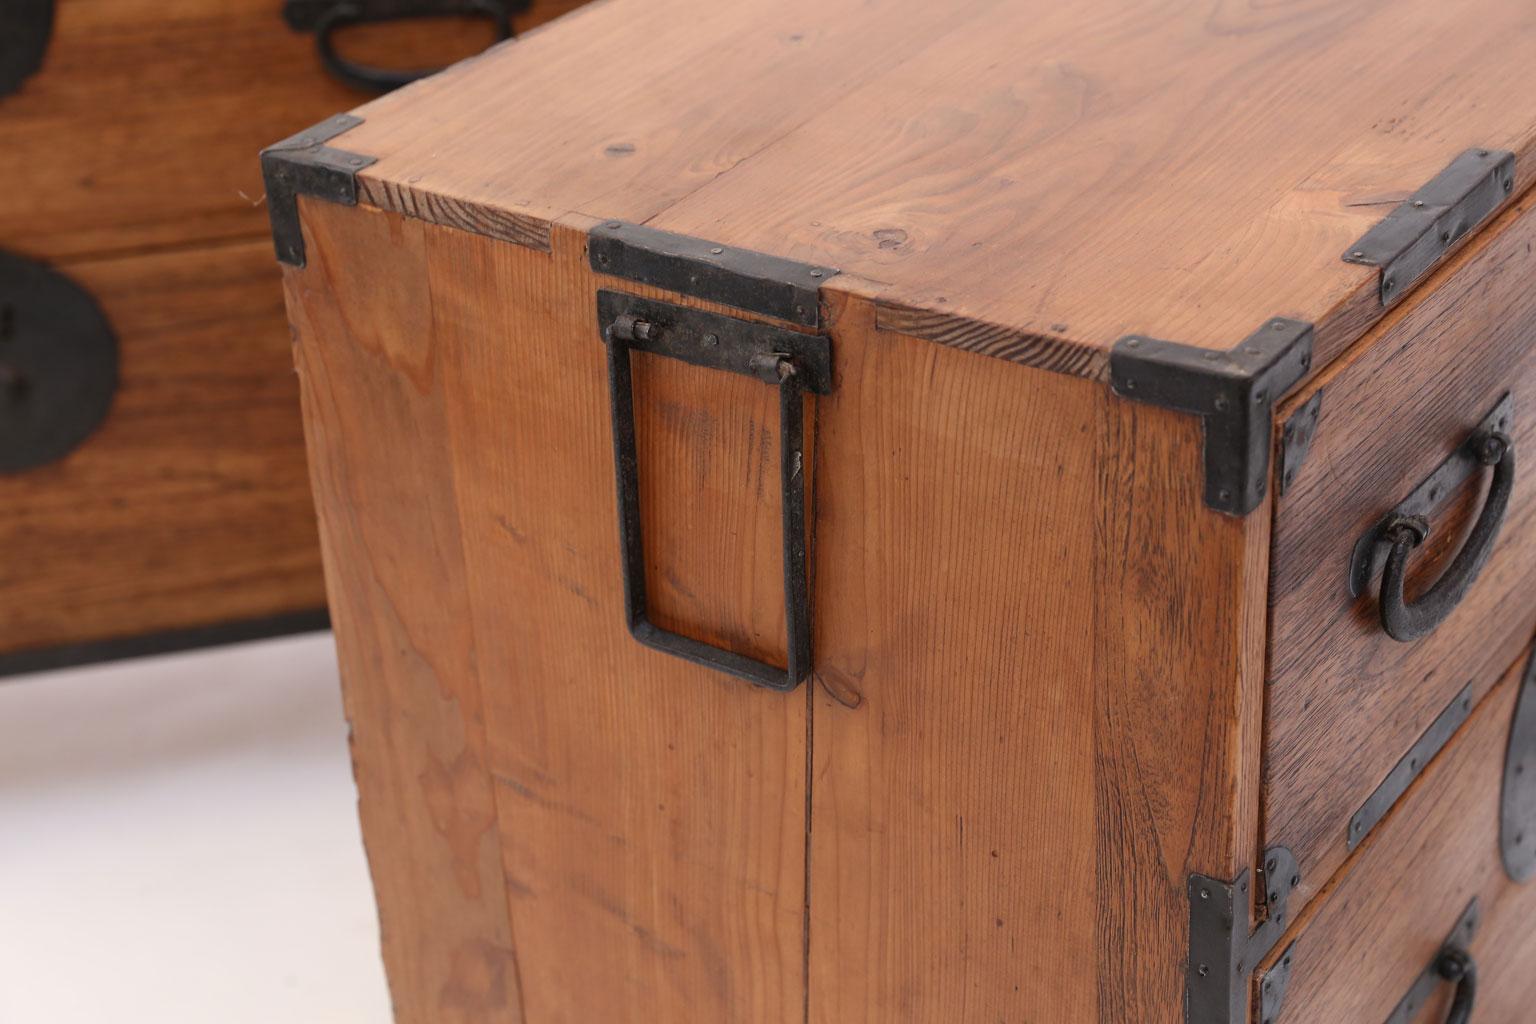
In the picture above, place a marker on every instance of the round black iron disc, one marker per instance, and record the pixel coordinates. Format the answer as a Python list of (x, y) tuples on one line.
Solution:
[(58, 364)]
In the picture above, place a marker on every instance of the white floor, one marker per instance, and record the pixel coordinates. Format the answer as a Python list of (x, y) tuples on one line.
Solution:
[(179, 844)]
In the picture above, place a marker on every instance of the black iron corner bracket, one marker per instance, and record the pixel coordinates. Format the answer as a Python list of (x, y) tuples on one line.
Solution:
[(26, 26), (304, 165), (1414, 237), (1234, 392), (1296, 438), (1222, 951)]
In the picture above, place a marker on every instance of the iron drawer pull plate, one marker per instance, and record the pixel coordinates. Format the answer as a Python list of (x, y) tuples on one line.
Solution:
[(1457, 965), (326, 17), (1407, 526), (793, 362), (1452, 963)]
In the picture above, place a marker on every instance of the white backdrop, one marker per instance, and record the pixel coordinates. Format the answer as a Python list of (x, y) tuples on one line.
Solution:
[(179, 844)]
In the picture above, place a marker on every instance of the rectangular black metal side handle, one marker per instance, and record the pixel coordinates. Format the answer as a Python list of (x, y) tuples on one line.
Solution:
[(793, 362)]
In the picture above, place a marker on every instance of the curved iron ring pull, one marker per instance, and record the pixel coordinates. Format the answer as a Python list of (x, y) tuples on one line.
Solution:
[(1404, 621), (1456, 965), (328, 21)]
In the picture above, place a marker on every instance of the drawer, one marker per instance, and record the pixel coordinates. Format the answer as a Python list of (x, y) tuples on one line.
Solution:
[(1431, 875), (1353, 713), (195, 89), (189, 505)]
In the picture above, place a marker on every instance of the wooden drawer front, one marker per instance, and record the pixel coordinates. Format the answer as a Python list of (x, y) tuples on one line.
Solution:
[(141, 127), (1346, 702), (190, 504), (1430, 874)]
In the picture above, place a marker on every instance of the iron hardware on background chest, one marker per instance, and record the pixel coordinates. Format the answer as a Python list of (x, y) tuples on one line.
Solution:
[(25, 29)]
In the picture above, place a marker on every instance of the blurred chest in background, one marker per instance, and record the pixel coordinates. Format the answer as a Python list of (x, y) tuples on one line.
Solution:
[(152, 483)]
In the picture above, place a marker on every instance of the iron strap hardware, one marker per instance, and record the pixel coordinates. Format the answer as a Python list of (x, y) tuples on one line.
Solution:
[(1517, 806), (326, 17), (1386, 546), (1222, 951), (1454, 964), (1415, 236), (740, 278), (793, 362), (58, 364), (25, 29), (1410, 767), (1296, 439)]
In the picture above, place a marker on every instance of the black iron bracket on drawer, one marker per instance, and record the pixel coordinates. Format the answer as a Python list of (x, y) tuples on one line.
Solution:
[(1223, 952), (793, 362), (26, 26), (1410, 767), (1411, 240)]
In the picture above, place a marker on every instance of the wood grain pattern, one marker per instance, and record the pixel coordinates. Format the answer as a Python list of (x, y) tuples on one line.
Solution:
[(1020, 598), (1076, 171), (1177, 676), (375, 408), (976, 779), (652, 814), (1345, 701), (191, 504), (1385, 920), (142, 127)]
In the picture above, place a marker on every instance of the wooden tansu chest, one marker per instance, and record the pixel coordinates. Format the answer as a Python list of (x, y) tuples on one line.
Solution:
[(880, 512), (152, 483)]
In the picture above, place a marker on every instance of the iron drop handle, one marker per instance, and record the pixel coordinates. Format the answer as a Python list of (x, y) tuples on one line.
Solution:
[(327, 21), (1404, 621), (1457, 965)]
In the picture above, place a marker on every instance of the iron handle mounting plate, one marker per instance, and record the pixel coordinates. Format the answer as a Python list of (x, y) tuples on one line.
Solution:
[(1385, 547), (1452, 963)]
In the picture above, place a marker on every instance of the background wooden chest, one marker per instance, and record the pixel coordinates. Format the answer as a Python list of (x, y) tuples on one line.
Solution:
[(128, 166), (1109, 410)]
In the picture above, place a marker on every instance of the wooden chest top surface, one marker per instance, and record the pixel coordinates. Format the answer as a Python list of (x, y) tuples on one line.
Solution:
[(1045, 176)]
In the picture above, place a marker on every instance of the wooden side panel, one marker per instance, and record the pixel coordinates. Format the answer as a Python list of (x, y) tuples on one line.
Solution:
[(1036, 692), (1383, 922), (191, 503), (1345, 700), (652, 812), (372, 372), (1177, 677), (141, 129)]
